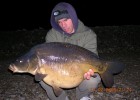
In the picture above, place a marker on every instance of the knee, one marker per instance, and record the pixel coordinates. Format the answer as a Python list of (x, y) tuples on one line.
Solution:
[(93, 80), (97, 78)]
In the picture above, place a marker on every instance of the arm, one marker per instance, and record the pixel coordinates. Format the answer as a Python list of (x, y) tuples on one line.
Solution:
[(90, 42)]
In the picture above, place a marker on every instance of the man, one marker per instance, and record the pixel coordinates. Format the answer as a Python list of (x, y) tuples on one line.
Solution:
[(66, 27)]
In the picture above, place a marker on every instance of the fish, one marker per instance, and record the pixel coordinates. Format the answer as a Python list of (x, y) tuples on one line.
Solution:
[(63, 65)]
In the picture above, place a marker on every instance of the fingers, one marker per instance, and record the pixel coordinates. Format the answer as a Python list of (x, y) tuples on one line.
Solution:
[(85, 75), (91, 72), (88, 77), (88, 74)]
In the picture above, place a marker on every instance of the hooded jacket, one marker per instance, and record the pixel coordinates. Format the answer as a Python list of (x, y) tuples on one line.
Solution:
[(83, 35)]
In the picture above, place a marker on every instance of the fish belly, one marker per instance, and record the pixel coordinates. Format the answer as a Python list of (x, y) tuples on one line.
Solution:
[(66, 75), (63, 81)]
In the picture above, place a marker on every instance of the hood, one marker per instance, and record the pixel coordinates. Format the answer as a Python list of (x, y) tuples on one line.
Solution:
[(72, 14)]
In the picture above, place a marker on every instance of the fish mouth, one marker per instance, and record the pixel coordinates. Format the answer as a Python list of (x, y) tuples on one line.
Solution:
[(13, 68)]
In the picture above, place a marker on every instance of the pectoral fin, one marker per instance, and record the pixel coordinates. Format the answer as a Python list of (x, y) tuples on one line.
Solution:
[(57, 90), (39, 77)]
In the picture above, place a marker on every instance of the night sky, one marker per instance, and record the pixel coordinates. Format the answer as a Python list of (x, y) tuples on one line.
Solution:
[(35, 14)]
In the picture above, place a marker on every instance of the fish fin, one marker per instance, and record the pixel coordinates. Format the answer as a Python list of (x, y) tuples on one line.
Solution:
[(107, 79), (57, 90), (39, 77), (115, 67)]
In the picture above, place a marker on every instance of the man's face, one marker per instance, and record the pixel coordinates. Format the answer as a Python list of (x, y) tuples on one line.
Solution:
[(66, 25)]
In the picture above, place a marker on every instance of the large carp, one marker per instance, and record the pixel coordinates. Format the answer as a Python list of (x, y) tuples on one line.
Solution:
[(63, 65)]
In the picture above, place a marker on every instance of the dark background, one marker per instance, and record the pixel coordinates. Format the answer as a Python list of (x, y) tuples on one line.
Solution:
[(35, 14), (24, 24)]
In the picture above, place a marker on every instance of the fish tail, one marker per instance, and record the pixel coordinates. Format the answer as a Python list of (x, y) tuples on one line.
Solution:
[(113, 68)]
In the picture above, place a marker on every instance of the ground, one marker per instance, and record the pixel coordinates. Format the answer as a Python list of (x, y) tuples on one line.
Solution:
[(24, 87)]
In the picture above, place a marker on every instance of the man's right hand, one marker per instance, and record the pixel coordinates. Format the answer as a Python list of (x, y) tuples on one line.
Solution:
[(88, 74)]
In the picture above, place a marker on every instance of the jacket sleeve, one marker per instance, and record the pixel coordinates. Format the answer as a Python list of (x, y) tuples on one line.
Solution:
[(91, 41)]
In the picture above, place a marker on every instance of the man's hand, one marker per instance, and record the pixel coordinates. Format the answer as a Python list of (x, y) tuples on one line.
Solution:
[(89, 74)]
